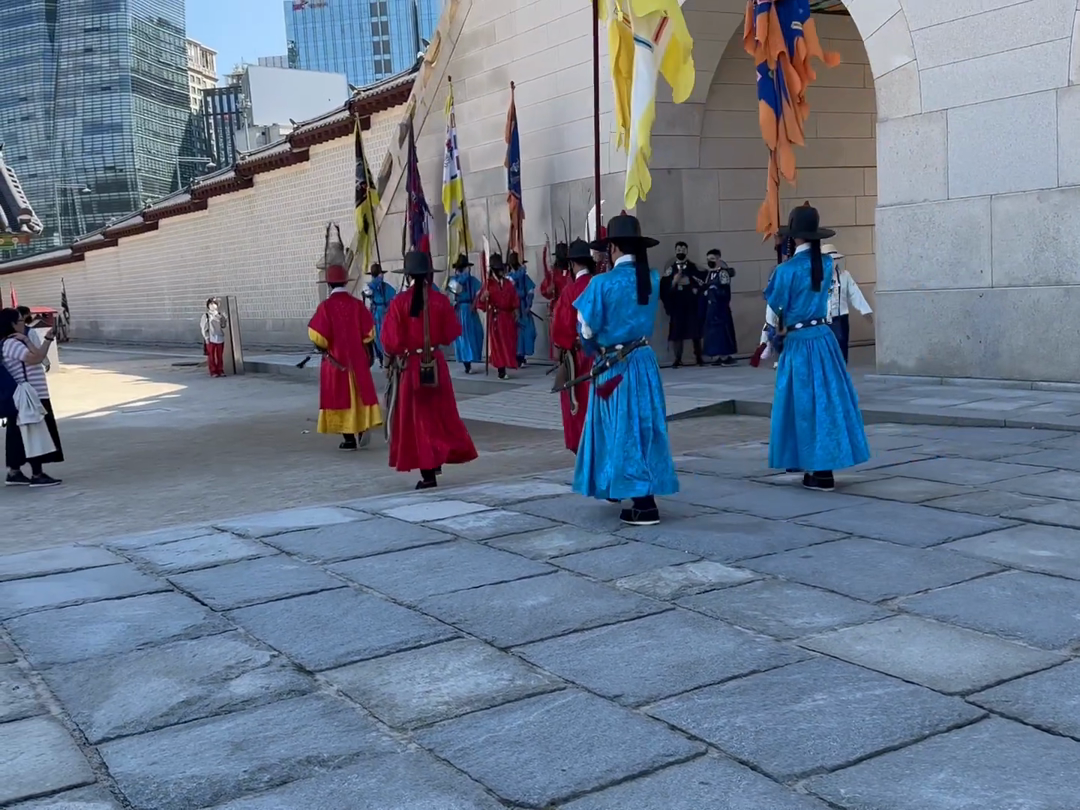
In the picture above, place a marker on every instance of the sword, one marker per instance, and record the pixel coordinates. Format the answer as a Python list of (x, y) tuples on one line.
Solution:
[(604, 363), (327, 355)]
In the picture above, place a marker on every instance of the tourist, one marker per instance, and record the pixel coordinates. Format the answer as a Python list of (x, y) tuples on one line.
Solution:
[(377, 296), (717, 322), (35, 339), (526, 292), (680, 290), (343, 329), (24, 362), (465, 288), (624, 451), (423, 427), (212, 325), (845, 295), (500, 300), (816, 423), (574, 362)]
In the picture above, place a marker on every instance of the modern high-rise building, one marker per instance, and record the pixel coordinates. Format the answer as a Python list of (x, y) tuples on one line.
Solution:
[(274, 61), (94, 106), (367, 40), (202, 71)]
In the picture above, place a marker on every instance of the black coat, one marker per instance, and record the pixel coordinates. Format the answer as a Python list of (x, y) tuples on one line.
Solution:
[(682, 302)]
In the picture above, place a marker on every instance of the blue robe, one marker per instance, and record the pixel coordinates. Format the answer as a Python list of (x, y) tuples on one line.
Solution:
[(526, 291), (719, 326), (380, 294), (624, 450), (816, 422), (469, 348)]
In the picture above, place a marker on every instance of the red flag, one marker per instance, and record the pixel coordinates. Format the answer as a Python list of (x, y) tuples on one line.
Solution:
[(14, 298)]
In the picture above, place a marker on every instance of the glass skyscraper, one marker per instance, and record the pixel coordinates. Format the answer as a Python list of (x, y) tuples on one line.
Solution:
[(366, 40), (94, 106)]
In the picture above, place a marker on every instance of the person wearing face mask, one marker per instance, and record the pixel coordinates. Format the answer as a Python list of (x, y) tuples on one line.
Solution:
[(719, 325), (680, 291), (526, 291), (500, 300), (212, 325)]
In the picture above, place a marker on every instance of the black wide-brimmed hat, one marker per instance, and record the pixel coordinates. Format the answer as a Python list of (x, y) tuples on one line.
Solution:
[(626, 229), (579, 251), (495, 262), (462, 262), (416, 264), (560, 251), (375, 269), (805, 223)]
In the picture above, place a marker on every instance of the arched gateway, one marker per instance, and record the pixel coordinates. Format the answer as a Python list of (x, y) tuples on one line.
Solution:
[(945, 150)]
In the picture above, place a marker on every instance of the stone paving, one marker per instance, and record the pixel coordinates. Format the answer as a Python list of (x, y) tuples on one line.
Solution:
[(911, 642)]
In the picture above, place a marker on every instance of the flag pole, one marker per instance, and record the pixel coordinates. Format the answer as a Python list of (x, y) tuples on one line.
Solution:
[(596, 109)]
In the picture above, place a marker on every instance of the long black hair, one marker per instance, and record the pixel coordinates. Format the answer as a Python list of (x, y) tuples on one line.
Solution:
[(420, 294), (8, 319), (642, 271), (817, 266)]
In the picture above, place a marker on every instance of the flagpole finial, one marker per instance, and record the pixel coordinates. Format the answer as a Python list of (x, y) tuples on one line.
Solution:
[(512, 86)]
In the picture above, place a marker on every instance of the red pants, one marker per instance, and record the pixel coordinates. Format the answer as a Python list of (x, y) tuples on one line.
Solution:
[(215, 359)]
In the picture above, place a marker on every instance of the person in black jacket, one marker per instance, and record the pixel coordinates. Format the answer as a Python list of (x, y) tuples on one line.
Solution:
[(681, 289)]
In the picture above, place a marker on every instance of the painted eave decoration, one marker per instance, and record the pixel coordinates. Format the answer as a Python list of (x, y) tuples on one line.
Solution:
[(17, 218)]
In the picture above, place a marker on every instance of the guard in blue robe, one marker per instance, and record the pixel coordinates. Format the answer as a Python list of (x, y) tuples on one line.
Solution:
[(816, 423), (624, 451), (463, 288), (719, 325), (377, 295), (526, 290)]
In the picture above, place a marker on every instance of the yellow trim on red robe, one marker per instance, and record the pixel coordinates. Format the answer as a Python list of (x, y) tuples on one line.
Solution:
[(359, 418)]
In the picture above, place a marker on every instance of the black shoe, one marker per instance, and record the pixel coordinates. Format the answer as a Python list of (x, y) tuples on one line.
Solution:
[(677, 364), (44, 480), (422, 484), (16, 479), (502, 373), (438, 470), (701, 361), (640, 517), (468, 368), (613, 500), (348, 446), (792, 470), (521, 360), (819, 483), (729, 361)]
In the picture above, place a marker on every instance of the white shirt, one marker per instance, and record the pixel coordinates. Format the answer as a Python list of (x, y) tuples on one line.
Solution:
[(845, 294)]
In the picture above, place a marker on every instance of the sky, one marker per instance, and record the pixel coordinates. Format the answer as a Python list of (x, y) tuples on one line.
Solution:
[(238, 29)]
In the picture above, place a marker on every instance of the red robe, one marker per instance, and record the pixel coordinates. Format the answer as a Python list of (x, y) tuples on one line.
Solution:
[(564, 334), (553, 285), (427, 431), (500, 300), (340, 326)]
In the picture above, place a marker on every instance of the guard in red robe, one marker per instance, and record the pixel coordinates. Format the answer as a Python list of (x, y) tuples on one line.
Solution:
[(555, 280), (424, 430), (573, 360), (343, 329), (500, 300)]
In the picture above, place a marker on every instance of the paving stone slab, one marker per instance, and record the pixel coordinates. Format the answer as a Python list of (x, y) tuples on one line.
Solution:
[(432, 510), (174, 683), (698, 785), (675, 581), (108, 628), (1044, 549), (408, 781), (38, 757), (334, 628), (728, 537), (54, 561), (1032, 608), (7, 655), (1052, 513), (904, 523), (557, 541), (996, 435), (725, 467), (213, 761), (253, 581), (784, 610), (1053, 459), (17, 698), (1049, 700), (19, 596), (515, 613), (491, 523), (992, 503), (374, 504), (943, 657), (170, 535), (769, 501), (289, 520), (872, 570), (198, 552), (813, 716), (539, 751), (992, 764), (431, 684), (657, 656), (1057, 484), (623, 561), (906, 490), (964, 471), (410, 576), (92, 798), (599, 516), (889, 460), (703, 490), (347, 541), (510, 492)]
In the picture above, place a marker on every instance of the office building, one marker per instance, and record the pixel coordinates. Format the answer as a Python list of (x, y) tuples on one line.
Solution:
[(94, 106), (367, 40), (222, 116), (202, 71), (274, 61)]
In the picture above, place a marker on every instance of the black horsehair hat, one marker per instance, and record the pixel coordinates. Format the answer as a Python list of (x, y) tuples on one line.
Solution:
[(416, 264), (624, 229), (805, 223), (462, 262), (495, 262), (579, 251)]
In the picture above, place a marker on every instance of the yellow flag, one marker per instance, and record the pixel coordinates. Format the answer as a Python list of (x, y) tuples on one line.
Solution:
[(453, 190), (366, 201)]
